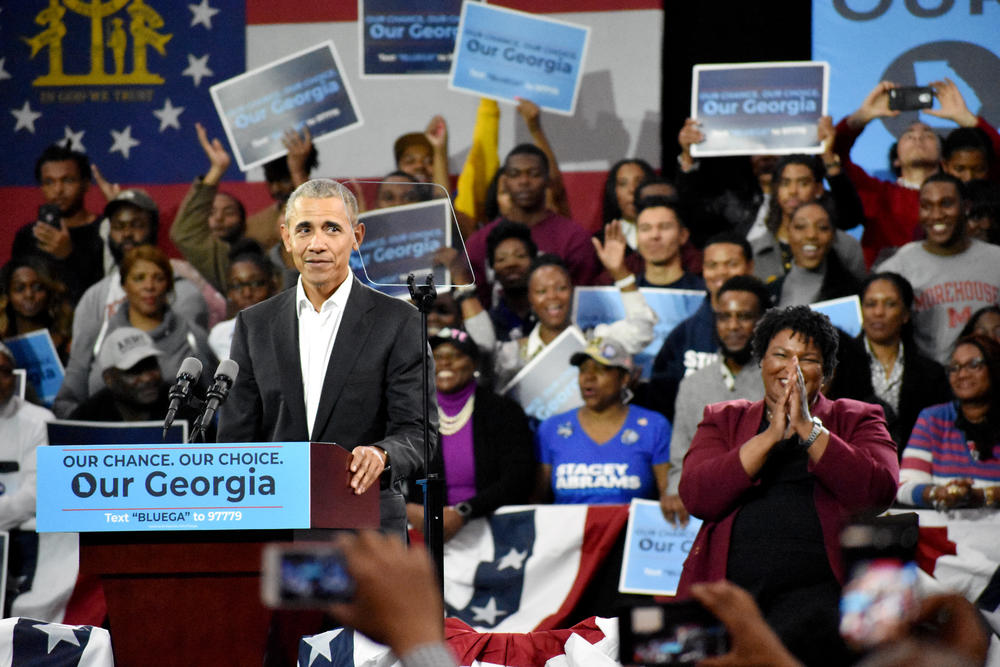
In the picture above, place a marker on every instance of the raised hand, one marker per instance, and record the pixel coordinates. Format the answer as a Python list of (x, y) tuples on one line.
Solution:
[(218, 156), (952, 103), (875, 105), (529, 112), (437, 132), (299, 147), (109, 190), (612, 251)]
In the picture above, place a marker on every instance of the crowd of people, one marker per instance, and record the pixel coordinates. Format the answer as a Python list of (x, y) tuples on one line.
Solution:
[(824, 425)]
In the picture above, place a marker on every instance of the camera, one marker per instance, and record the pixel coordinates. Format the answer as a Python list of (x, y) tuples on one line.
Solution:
[(911, 98), (672, 633), (304, 576)]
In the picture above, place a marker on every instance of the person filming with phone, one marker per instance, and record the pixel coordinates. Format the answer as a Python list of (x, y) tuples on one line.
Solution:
[(775, 480)]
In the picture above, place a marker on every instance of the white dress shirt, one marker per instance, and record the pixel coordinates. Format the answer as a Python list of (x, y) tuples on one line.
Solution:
[(317, 334)]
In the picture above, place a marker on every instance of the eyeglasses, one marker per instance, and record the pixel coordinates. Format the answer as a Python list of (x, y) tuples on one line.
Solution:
[(974, 365)]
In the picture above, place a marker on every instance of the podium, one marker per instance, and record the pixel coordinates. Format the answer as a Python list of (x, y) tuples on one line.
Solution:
[(193, 597)]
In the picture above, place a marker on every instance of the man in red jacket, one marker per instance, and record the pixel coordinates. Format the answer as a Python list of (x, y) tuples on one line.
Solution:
[(891, 208)]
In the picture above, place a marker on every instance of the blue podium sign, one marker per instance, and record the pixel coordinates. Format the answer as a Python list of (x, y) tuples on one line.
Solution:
[(655, 550), (305, 89), (504, 54), (173, 487), (754, 108)]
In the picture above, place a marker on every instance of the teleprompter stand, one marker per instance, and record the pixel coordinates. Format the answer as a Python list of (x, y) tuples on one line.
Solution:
[(423, 297)]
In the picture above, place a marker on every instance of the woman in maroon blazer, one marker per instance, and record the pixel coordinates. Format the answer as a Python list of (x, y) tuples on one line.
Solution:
[(775, 481)]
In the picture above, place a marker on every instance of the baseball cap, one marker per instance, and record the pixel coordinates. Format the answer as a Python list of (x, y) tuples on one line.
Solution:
[(605, 351), (135, 197), (125, 347)]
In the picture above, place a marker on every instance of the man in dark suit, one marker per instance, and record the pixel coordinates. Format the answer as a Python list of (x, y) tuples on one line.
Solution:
[(332, 360)]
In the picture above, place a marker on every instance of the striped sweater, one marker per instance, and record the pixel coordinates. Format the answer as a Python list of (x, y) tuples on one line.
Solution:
[(938, 452)]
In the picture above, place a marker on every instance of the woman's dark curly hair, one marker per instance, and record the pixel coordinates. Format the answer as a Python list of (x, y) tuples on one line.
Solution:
[(814, 326)]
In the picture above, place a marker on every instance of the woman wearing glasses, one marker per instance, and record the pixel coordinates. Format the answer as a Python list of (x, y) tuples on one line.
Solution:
[(953, 457)]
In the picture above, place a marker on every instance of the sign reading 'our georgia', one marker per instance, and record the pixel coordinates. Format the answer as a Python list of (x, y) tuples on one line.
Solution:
[(173, 487)]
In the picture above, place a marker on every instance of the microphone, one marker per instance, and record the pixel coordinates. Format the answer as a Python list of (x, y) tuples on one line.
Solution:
[(187, 376), (225, 376)]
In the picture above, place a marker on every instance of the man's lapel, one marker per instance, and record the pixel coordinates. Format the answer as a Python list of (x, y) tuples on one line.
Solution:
[(355, 326), (288, 366)]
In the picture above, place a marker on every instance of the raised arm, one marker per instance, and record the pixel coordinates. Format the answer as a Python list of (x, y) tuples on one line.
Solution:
[(532, 116)]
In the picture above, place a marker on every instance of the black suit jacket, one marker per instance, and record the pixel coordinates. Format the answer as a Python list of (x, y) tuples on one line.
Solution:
[(371, 394)]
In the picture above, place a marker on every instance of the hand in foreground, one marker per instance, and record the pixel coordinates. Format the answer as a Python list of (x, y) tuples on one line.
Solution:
[(674, 511), (752, 641), (396, 601), (367, 463), (55, 242), (109, 190), (953, 621)]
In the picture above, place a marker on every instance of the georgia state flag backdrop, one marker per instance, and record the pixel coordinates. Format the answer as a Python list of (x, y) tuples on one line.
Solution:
[(118, 79)]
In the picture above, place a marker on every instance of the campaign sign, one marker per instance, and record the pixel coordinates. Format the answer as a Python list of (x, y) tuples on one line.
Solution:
[(845, 313), (36, 354), (754, 108), (402, 37), (603, 305), (401, 240), (77, 432), (655, 550), (547, 385), (173, 487), (503, 54), (305, 89), (911, 44)]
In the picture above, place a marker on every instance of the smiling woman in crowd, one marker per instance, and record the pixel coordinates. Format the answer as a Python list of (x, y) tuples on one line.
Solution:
[(487, 449), (147, 279), (817, 273), (550, 293), (953, 456), (775, 480), (606, 451), (904, 380)]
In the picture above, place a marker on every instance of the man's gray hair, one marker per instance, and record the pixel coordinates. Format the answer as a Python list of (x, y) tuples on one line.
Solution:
[(324, 188)]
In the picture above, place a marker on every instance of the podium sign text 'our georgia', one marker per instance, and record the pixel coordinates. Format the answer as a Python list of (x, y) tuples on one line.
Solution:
[(173, 487)]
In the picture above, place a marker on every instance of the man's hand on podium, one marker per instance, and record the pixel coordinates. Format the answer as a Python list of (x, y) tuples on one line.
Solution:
[(367, 463)]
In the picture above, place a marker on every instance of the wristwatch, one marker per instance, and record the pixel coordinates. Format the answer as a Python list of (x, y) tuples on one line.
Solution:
[(464, 510), (816, 431)]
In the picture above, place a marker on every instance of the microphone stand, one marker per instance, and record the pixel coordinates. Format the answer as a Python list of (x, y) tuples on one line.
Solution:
[(433, 484)]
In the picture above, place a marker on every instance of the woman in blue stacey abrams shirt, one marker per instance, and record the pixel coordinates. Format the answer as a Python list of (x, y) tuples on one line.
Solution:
[(606, 451)]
